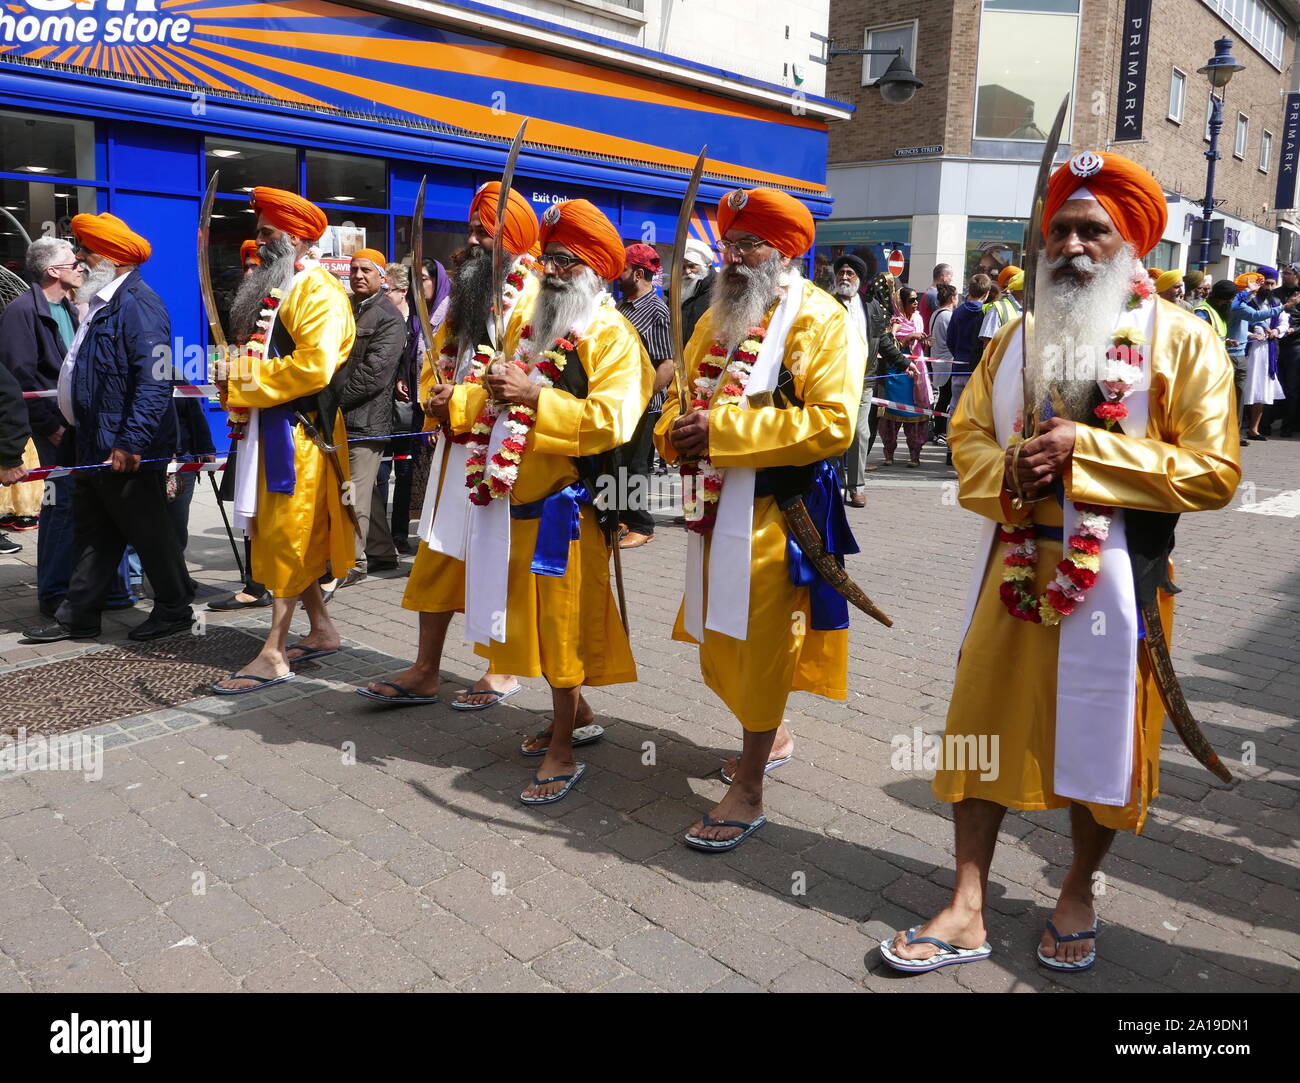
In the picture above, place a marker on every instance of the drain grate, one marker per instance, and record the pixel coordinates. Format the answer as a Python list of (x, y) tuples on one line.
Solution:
[(119, 681)]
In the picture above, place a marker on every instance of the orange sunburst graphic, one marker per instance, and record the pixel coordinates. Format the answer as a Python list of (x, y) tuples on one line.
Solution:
[(320, 55)]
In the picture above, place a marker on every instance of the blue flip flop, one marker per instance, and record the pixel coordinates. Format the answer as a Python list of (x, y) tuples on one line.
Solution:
[(312, 652), (569, 782), (497, 697), (772, 765), (717, 846), (404, 698), (1083, 964), (262, 682), (583, 735), (947, 955)]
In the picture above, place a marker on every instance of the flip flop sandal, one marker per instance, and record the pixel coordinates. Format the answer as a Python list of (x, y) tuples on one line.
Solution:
[(311, 654), (947, 955), (569, 782), (717, 846), (1083, 964), (262, 682), (404, 698), (497, 697), (583, 735), (772, 765)]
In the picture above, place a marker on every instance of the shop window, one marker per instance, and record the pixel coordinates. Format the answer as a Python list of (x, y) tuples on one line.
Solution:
[(346, 178), (1163, 256), (442, 240), (43, 210), (1027, 59), (349, 232), (992, 244), (246, 165), (46, 146)]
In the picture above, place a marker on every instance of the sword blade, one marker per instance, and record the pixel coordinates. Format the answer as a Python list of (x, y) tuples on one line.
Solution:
[(1033, 239), (684, 217), (498, 251), (205, 270), (417, 281)]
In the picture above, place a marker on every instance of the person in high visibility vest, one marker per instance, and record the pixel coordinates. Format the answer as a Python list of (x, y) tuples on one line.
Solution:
[(1011, 281)]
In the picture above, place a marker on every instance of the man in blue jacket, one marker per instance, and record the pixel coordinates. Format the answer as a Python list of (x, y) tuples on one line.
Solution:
[(115, 389)]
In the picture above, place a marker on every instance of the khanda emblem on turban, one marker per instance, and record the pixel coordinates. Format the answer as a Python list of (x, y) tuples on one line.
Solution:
[(737, 200), (1086, 163), (551, 215)]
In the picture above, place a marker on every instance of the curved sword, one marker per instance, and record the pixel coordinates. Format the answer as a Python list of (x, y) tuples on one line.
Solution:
[(684, 217), (217, 336), (417, 288), (499, 264)]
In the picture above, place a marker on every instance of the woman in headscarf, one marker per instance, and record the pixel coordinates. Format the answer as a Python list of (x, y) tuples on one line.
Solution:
[(408, 495)]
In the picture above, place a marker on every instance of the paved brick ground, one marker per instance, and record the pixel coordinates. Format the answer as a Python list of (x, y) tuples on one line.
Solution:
[(298, 840)]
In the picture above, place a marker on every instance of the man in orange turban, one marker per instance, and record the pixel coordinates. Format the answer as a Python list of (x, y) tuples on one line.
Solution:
[(249, 260), (579, 228), (115, 391), (292, 497), (436, 586), (802, 407), (520, 234), (1006, 308), (1069, 717)]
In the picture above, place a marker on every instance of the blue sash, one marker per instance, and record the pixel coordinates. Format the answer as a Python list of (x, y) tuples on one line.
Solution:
[(276, 425), (560, 522)]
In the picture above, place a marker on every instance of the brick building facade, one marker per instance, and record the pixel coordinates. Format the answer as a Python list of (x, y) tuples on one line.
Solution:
[(950, 175)]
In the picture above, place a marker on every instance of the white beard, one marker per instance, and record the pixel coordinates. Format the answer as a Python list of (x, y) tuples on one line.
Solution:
[(95, 279), (1073, 328), (742, 296), (563, 307)]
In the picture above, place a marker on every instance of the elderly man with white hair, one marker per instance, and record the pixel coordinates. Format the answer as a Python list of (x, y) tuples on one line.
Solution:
[(1139, 427)]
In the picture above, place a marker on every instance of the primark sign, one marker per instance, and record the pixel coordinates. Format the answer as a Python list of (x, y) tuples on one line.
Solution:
[(92, 22)]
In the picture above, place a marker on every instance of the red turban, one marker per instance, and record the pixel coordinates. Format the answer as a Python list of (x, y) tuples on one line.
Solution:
[(770, 214), (374, 256), (1126, 191), (520, 233), (290, 213), (247, 251), (585, 231), (108, 236)]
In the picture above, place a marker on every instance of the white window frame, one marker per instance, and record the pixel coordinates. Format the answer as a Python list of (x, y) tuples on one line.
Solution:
[(1177, 77), (910, 60), (1265, 150), (1241, 137)]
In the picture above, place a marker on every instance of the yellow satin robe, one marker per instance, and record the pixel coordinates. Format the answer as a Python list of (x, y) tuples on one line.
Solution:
[(1006, 672), (437, 581), (295, 535), (755, 676), (567, 628)]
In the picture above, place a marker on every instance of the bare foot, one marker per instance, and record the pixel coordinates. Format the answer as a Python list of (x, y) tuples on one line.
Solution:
[(552, 764), (739, 804), (960, 928), (417, 681), (585, 717), (1072, 915), (264, 665), (782, 747), (321, 642), (489, 682)]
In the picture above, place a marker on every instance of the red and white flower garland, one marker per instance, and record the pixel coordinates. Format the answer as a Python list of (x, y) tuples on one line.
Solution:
[(700, 495), (254, 350)]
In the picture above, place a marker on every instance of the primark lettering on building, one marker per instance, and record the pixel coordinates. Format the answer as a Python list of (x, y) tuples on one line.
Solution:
[(87, 22)]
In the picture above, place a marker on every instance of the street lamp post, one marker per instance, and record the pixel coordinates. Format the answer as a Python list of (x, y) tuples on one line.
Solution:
[(1219, 69), (897, 84)]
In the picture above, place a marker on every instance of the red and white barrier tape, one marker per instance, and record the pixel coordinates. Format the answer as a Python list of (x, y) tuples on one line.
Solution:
[(907, 406), (179, 391)]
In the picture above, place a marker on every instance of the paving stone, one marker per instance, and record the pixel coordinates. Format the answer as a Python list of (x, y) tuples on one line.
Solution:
[(42, 937), (668, 962), (281, 893), (298, 973), (812, 977), (181, 970), (507, 977), (528, 934), (250, 949), (89, 970), (214, 914), (450, 947), (395, 911), (351, 877), (577, 967), (373, 963)]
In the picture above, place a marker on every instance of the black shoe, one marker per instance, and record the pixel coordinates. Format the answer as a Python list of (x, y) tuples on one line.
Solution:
[(23, 522), (1258, 437), (354, 576), (57, 632), (404, 546), (382, 565), (227, 604), (154, 627), (8, 546), (50, 606)]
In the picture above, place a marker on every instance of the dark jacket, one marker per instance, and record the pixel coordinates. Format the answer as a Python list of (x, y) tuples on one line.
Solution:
[(193, 436), (14, 430), (33, 350), (697, 304), (963, 335), (883, 354), (364, 383), (122, 386)]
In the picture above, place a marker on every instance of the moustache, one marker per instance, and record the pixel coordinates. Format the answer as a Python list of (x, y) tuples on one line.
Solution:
[(1080, 266)]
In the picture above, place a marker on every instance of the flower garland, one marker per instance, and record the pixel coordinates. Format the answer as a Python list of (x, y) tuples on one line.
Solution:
[(254, 350), (700, 496), (1081, 563)]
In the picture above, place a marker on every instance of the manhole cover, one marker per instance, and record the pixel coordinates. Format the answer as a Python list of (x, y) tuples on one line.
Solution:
[(119, 681)]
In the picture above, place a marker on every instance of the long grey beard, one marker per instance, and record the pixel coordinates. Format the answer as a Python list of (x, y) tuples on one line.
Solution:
[(275, 273), (96, 278), (562, 307), (741, 297), (471, 300), (691, 285), (1073, 329)]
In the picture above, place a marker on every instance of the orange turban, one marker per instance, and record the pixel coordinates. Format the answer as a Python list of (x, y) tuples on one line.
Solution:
[(585, 231), (108, 236), (247, 251), (771, 214), (290, 213), (374, 256), (1126, 191), (1244, 281), (520, 233), (1007, 274)]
